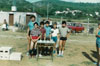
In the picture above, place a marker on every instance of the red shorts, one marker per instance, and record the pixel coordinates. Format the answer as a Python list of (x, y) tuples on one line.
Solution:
[(34, 37)]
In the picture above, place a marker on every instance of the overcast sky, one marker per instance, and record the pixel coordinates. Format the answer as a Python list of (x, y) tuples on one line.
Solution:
[(85, 1)]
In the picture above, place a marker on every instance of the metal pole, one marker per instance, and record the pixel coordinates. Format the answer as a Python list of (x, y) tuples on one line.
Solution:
[(14, 2), (47, 11), (88, 26), (61, 19)]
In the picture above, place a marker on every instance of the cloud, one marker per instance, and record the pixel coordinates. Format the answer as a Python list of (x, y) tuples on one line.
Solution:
[(32, 0), (85, 1)]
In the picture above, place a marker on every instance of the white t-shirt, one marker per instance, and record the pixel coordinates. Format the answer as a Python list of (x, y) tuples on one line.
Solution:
[(54, 32), (50, 22), (3, 26)]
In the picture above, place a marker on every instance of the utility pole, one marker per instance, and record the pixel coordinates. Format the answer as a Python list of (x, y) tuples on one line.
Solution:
[(14, 3), (47, 10), (88, 26)]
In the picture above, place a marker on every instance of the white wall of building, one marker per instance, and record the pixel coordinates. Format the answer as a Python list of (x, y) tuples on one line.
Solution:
[(4, 15), (19, 17)]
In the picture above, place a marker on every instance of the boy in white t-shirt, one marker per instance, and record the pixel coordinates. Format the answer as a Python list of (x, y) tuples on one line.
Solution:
[(55, 34)]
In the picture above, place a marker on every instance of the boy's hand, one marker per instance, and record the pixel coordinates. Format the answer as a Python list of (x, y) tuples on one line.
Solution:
[(32, 40), (97, 36), (36, 40)]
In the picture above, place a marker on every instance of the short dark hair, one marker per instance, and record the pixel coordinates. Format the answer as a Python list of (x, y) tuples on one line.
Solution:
[(47, 22), (98, 24), (33, 16), (55, 23), (36, 23), (42, 23), (63, 22)]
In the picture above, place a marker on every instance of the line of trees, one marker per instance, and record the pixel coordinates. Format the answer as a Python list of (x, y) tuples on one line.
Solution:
[(54, 5)]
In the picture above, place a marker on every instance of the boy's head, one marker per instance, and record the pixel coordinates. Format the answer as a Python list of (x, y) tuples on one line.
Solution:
[(47, 23), (36, 25), (98, 25), (63, 23), (55, 25), (42, 24), (32, 18)]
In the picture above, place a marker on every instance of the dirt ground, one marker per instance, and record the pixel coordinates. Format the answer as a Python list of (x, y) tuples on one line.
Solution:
[(79, 51)]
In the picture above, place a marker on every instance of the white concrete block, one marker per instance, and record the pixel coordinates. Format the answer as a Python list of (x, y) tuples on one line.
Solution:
[(4, 57), (5, 50), (16, 56)]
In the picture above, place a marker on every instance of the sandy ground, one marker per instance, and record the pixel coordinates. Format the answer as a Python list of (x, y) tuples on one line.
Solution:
[(79, 51)]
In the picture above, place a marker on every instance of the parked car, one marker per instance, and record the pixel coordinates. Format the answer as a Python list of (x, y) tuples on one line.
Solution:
[(76, 27)]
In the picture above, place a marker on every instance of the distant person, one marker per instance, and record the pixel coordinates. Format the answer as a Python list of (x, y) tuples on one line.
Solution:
[(35, 36), (30, 27), (43, 20), (5, 25), (55, 35), (64, 34), (98, 44)]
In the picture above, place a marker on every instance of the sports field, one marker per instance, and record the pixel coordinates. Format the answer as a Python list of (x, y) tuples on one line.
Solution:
[(79, 51)]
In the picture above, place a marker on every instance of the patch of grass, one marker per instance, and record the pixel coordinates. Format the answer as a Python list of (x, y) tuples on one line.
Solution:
[(87, 63), (73, 65)]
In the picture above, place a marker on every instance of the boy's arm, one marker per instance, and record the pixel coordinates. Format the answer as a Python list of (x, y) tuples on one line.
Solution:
[(45, 36), (31, 37), (38, 38), (27, 31), (58, 35), (97, 33), (68, 34), (39, 34), (50, 36)]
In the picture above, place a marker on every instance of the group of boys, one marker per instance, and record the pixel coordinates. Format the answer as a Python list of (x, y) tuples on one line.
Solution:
[(45, 32)]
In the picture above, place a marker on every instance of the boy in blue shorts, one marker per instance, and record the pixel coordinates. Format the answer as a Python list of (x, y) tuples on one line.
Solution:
[(55, 34), (98, 44)]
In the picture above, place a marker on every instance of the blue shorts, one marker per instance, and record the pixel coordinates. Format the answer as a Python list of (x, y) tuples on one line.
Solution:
[(54, 39), (98, 43)]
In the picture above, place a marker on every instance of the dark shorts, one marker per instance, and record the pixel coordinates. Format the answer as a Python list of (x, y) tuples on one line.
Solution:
[(29, 33), (63, 38)]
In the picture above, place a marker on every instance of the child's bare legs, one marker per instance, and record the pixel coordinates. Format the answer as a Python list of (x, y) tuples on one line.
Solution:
[(31, 48), (54, 47), (63, 46), (60, 47), (29, 43), (35, 44), (32, 44), (98, 51)]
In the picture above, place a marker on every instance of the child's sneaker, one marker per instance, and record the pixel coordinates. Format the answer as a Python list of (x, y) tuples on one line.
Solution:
[(27, 54), (61, 55), (58, 55), (40, 55)]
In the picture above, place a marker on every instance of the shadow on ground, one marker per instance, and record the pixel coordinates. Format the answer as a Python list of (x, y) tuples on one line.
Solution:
[(93, 53)]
